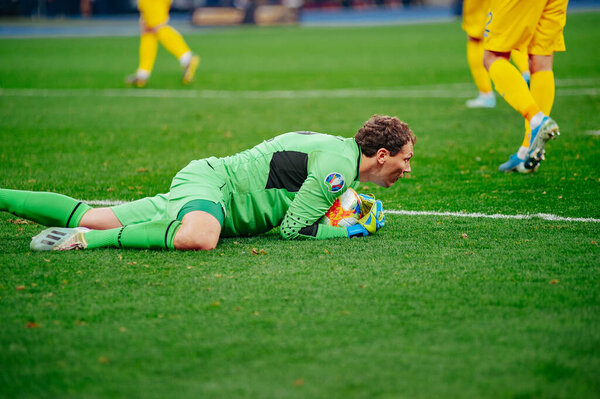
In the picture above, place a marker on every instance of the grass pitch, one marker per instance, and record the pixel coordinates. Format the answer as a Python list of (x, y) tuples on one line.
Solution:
[(431, 306)]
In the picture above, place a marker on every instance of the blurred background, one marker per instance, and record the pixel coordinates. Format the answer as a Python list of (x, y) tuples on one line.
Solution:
[(236, 12), (86, 8), (213, 12)]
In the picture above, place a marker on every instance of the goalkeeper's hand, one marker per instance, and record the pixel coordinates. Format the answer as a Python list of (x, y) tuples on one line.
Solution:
[(372, 220)]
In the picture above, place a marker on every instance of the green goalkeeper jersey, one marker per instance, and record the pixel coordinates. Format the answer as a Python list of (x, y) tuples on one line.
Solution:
[(290, 181)]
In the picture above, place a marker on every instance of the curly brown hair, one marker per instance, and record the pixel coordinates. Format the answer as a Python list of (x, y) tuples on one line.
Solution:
[(382, 131)]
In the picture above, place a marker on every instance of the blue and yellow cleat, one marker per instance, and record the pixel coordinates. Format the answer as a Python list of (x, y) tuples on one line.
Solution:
[(547, 130), (514, 164)]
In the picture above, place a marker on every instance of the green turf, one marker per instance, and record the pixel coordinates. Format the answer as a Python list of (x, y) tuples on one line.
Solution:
[(429, 307)]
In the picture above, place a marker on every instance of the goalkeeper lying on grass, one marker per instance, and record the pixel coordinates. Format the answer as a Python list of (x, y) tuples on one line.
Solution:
[(288, 181)]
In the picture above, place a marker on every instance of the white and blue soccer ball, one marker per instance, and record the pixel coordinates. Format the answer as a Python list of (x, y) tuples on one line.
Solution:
[(345, 210)]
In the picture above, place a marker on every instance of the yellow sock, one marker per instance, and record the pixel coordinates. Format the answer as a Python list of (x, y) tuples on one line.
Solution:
[(475, 60), (511, 86), (542, 90), (148, 49), (172, 41), (521, 60), (527, 136)]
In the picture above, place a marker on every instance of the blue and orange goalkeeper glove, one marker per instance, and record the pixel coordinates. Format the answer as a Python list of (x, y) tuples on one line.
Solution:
[(372, 220)]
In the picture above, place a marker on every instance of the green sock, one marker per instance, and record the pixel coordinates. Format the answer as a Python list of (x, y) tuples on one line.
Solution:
[(158, 234), (48, 209)]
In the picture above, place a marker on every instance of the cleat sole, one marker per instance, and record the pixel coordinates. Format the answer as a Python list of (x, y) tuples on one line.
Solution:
[(537, 152)]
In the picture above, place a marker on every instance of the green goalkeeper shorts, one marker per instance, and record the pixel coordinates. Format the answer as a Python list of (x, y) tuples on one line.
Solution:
[(200, 186)]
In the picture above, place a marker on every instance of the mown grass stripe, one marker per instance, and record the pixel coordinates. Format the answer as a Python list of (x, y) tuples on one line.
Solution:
[(409, 92)]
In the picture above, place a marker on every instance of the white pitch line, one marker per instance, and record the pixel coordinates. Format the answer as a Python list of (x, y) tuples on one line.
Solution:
[(578, 82), (475, 215), (104, 202), (408, 92)]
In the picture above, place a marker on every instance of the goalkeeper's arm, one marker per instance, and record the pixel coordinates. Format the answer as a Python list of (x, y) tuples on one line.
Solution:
[(294, 226)]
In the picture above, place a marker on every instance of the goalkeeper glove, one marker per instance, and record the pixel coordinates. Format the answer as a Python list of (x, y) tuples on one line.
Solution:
[(372, 220)]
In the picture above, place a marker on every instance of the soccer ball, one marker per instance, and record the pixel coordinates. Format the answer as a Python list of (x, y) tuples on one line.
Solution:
[(345, 210)]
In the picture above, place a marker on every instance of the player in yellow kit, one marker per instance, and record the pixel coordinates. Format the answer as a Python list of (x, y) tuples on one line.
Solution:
[(154, 28), (537, 24), (474, 18)]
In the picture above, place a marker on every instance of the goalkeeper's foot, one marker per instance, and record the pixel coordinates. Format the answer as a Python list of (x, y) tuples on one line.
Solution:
[(136, 81), (545, 131), (190, 70), (483, 100), (59, 239), (514, 164)]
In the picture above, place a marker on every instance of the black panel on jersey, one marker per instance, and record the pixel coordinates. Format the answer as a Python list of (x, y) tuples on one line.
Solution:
[(310, 230), (288, 170)]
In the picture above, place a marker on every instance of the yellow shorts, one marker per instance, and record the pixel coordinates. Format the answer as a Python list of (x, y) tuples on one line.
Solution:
[(154, 12), (473, 20), (536, 25)]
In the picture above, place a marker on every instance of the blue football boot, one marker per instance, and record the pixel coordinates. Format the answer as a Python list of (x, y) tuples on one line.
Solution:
[(547, 130), (514, 164)]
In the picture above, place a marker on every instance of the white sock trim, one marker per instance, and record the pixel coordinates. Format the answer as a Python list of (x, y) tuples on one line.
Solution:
[(185, 59), (142, 74), (536, 120)]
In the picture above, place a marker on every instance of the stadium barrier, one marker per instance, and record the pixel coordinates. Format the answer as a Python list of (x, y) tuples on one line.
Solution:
[(263, 15)]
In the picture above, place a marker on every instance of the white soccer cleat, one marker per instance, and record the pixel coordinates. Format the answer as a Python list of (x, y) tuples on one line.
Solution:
[(59, 239), (483, 100)]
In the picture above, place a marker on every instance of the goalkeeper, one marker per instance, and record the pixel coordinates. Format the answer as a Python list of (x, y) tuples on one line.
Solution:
[(289, 181)]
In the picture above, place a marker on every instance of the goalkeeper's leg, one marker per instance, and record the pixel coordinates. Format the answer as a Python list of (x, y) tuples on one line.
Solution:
[(48, 209), (157, 234), (147, 226), (198, 231)]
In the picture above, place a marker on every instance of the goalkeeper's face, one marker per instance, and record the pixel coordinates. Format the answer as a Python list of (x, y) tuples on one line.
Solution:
[(394, 167)]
